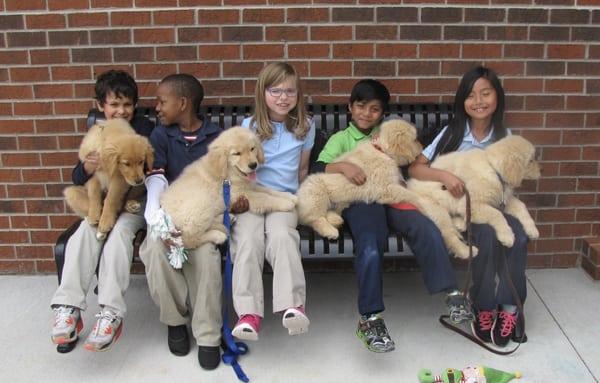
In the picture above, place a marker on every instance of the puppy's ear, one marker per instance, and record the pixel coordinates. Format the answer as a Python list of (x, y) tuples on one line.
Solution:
[(509, 164), (217, 158), (110, 157)]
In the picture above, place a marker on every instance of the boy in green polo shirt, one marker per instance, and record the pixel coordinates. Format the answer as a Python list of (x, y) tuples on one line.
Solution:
[(368, 224)]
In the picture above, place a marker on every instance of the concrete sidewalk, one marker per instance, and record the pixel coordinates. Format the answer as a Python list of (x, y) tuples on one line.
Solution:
[(562, 325)]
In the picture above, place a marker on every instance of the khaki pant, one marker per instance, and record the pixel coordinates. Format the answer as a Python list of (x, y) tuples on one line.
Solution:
[(273, 237), (81, 258), (199, 279)]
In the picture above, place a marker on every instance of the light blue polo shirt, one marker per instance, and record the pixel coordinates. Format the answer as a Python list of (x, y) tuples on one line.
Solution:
[(282, 157), (469, 142)]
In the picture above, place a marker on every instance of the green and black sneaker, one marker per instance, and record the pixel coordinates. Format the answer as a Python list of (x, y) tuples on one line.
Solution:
[(459, 308), (372, 331)]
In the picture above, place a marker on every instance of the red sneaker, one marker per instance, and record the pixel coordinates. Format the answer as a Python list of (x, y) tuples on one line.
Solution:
[(247, 327)]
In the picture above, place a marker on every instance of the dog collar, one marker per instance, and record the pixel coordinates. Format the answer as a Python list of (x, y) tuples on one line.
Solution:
[(376, 146)]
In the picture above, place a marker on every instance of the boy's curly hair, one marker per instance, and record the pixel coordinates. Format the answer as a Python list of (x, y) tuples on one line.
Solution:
[(118, 82)]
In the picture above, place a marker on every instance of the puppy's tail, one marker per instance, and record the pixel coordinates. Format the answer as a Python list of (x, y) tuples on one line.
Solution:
[(77, 199)]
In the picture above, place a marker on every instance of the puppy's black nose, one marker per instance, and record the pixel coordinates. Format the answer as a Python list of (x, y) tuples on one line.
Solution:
[(252, 165)]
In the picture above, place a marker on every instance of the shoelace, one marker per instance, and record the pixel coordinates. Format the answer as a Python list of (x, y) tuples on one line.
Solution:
[(377, 327), (106, 318), (486, 320), (62, 315), (509, 322)]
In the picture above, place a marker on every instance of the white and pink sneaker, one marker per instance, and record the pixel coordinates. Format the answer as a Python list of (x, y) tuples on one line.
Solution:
[(295, 320)]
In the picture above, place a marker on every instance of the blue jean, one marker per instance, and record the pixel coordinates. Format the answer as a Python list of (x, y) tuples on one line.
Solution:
[(426, 243), (368, 224), (488, 265)]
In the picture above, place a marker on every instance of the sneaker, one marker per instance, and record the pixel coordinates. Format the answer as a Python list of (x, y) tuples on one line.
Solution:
[(247, 327), (374, 334), (178, 340), (504, 328), (295, 320), (209, 357), (482, 325), (459, 308), (106, 331), (67, 324)]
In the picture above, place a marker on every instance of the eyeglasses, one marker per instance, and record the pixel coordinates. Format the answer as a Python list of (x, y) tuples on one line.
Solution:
[(277, 92)]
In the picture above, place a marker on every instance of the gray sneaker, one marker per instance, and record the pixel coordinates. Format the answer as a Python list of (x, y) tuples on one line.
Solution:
[(459, 308), (67, 324), (106, 331), (374, 334)]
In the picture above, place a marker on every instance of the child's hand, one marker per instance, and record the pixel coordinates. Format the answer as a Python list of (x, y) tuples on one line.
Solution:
[(354, 174), (169, 242), (241, 205), (453, 184), (91, 162)]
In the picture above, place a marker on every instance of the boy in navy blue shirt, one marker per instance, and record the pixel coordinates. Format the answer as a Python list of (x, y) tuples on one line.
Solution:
[(180, 138), (116, 96)]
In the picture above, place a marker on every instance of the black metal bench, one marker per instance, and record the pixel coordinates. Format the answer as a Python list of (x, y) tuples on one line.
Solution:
[(428, 118)]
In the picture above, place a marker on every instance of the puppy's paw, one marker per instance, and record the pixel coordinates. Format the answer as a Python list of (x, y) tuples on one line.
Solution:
[(132, 206), (92, 221), (334, 219), (105, 225), (506, 237), (463, 252), (324, 229), (216, 236), (532, 232), (101, 236), (287, 205), (459, 223)]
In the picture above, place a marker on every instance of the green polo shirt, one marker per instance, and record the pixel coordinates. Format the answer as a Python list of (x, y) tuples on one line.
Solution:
[(342, 142)]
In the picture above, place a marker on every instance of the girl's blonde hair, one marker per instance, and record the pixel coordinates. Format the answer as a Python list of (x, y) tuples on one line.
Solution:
[(297, 119)]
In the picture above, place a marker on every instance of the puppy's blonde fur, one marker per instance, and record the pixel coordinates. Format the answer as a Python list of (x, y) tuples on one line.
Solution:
[(490, 176), (321, 197), (195, 200), (123, 154)]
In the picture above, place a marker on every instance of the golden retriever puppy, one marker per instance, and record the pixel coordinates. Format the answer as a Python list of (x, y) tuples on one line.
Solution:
[(195, 200), (123, 155), (490, 176), (322, 197)]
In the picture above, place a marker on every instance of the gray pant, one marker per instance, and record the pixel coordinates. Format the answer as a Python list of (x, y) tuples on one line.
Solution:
[(272, 236), (199, 279), (81, 258)]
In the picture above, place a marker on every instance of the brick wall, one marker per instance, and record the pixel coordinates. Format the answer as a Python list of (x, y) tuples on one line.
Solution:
[(547, 52)]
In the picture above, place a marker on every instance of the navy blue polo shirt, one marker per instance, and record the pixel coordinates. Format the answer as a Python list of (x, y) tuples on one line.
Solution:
[(173, 152), (140, 124)]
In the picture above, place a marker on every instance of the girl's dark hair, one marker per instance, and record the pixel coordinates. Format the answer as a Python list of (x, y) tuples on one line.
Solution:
[(455, 132), (186, 85), (118, 82), (368, 90)]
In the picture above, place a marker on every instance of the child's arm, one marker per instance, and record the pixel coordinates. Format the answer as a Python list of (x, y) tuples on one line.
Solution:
[(352, 172), (156, 182), (84, 170), (309, 143), (421, 170), (304, 164), (332, 150)]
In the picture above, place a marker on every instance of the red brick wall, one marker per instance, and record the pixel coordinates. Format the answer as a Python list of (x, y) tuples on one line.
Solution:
[(547, 52)]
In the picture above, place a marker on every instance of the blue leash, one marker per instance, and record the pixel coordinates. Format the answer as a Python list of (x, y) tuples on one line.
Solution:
[(234, 349)]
